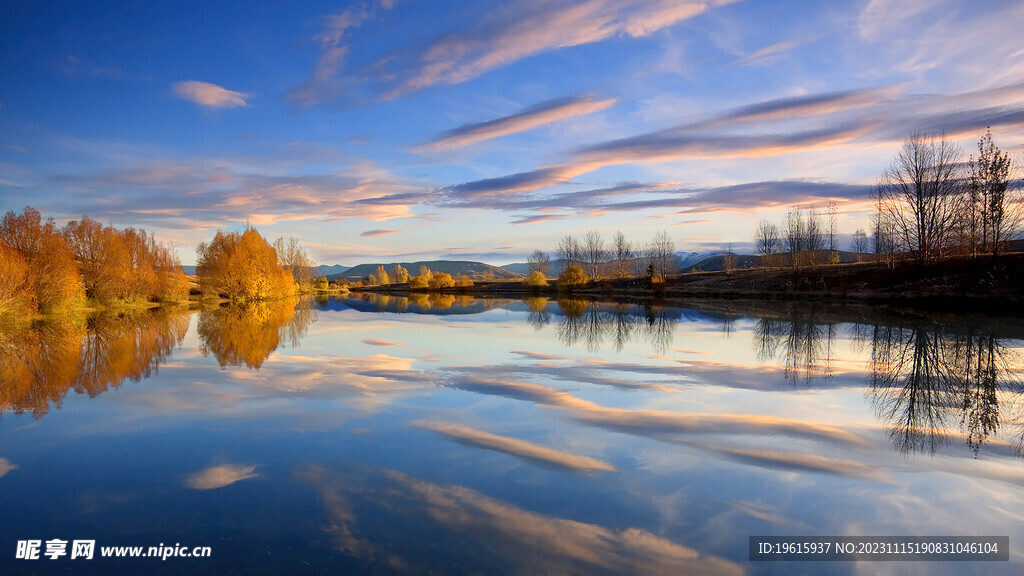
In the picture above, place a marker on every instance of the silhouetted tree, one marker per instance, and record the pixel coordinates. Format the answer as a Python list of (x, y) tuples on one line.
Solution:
[(539, 262)]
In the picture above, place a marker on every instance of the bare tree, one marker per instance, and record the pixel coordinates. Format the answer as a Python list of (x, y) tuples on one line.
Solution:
[(594, 254), (539, 262), (569, 251), (814, 236), (860, 244), (992, 219), (766, 242), (292, 256), (795, 235), (833, 230), (923, 195), (623, 254), (661, 252), (728, 259)]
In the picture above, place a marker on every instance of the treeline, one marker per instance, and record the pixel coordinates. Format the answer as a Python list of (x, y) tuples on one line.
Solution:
[(425, 280), (930, 204), (592, 259), (48, 268), (243, 266)]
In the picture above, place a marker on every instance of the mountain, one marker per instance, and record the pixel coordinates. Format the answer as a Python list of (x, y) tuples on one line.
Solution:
[(454, 267), (322, 270), (330, 269)]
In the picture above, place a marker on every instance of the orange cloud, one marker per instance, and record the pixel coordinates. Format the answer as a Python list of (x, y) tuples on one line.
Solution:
[(210, 95)]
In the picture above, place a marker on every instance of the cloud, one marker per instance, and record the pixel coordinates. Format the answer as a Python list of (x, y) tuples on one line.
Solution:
[(220, 476), (526, 28), (324, 83), (375, 233), (376, 342), (516, 447), (533, 117), (538, 218), (769, 53), (210, 95), (6, 466)]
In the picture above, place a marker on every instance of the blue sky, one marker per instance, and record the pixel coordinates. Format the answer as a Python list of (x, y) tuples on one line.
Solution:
[(405, 129)]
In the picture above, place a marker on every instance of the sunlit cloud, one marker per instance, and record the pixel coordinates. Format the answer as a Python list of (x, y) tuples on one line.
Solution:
[(533, 117), (515, 447), (524, 28), (538, 218), (6, 466), (220, 476), (378, 342), (209, 95)]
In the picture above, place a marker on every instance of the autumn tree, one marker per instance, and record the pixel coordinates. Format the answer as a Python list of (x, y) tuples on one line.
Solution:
[(572, 278), (16, 294), (399, 275), (539, 262), (56, 283), (242, 266), (102, 257), (382, 275), (422, 280), (440, 280), (922, 194)]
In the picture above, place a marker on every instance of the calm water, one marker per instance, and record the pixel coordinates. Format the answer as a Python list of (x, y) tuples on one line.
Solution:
[(458, 436)]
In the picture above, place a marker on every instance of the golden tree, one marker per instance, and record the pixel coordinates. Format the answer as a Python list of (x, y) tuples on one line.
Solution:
[(55, 280), (242, 266)]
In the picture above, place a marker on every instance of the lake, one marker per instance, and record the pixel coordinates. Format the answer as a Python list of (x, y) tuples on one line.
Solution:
[(447, 435)]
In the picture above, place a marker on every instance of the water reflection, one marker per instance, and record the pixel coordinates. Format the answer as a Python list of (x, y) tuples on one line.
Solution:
[(591, 323), (39, 363), (926, 383), (801, 341), (248, 334)]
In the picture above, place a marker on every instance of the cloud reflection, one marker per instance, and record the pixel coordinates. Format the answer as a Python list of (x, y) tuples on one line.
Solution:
[(220, 476)]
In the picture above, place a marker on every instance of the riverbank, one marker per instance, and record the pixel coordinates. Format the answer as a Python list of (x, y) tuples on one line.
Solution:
[(971, 283)]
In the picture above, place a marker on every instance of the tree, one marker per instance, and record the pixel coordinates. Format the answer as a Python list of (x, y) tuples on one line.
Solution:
[(572, 278), (833, 230), (382, 275), (728, 259), (292, 256), (463, 282), (421, 281), (992, 219), (535, 279), (594, 253), (794, 237), (766, 242), (922, 194), (55, 279), (860, 244), (814, 236), (661, 252), (399, 275), (441, 280), (539, 262), (623, 251), (569, 251), (102, 258), (16, 294), (242, 266)]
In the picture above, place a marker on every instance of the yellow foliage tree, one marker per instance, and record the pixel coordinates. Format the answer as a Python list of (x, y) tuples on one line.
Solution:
[(242, 266), (55, 279), (574, 277), (441, 280)]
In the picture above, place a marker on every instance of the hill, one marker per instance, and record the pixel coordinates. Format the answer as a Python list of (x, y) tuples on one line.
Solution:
[(454, 267)]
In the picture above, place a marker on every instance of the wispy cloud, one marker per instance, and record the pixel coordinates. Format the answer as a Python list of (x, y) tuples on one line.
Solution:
[(515, 447), (6, 466), (209, 95), (526, 28), (375, 233), (538, 218), (769, 53), (533, 117)]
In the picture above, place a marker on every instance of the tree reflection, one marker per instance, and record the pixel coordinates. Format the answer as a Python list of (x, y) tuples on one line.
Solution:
[(591, 323), (802, 342), (539, 316), (248, 334), (926, 383), (39, 363)]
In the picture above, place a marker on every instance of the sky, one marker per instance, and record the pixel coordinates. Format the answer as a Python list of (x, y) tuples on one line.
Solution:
[(392, 130)]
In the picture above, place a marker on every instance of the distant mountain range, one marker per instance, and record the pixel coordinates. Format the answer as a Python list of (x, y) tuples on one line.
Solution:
[(454, 267)]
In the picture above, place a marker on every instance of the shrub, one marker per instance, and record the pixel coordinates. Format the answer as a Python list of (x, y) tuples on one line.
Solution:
[(464, 282), (441, 280), (574, 277), (536, 279)]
